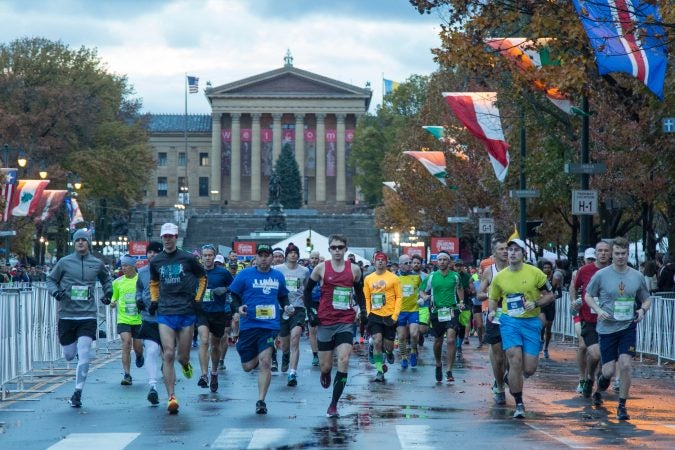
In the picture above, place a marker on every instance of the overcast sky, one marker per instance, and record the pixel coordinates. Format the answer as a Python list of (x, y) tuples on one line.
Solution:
[(155, 42)]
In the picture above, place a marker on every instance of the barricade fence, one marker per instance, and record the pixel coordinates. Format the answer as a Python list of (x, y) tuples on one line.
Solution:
[(29, 333)]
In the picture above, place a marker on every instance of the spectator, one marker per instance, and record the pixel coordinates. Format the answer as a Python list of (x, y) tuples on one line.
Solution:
[(666, 279)]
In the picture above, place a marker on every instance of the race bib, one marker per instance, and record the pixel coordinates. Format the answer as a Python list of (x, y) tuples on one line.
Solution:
[(79, 293), (515, 305), (445, 314), (208, 296), (408, 290), (377, 300), (341, 297), (292, 284), (130, 304), (624, 308), (265, 312), (498, 314)]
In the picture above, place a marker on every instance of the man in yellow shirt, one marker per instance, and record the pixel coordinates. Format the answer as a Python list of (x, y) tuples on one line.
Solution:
[(409, 319), (382, 290), (128, 316)]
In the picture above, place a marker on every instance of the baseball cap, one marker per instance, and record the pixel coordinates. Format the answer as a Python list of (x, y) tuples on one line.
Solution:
[(519, 243), (264, 248), (459, 262), (169, 228), (220, 259), (589, 253)]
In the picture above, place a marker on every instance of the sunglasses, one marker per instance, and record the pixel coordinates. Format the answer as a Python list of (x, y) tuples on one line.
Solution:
[(405, 263), (337, 247)]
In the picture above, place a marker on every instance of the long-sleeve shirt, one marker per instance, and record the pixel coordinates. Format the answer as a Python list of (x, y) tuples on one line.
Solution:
[(177, 281), (383, 294)]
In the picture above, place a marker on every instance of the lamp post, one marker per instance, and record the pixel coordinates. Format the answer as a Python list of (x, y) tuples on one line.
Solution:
[(22, 161)]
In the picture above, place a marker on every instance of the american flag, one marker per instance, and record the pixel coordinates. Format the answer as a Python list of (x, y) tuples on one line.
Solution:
[(8, 185), (193, 84)]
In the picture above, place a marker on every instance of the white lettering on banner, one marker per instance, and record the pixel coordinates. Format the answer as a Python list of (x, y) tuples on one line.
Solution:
[(266, 285)]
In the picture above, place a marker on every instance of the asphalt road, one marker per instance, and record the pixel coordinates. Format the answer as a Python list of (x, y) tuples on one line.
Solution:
[(409, 411)]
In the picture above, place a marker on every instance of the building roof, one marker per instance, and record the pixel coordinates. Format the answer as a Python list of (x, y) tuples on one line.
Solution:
[(175, 123)]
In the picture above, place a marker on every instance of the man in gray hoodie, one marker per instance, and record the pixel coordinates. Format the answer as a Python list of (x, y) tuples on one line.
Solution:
[(72, 282)]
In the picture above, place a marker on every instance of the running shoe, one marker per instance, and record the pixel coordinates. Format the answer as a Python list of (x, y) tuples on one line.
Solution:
[(362, 340), (379, 378), (221, 364), (153, 397), (325, 380), (315, 361), (421, 340), (203, 381), (439, 374), (617, 386), (213, 384), (448, 376), (500, 398), (385, 368), (235, 339), (597, 398), (140, 360), (332, 412), (126, 381), (285, 361), (519, 413), (622, 414), (187, 370), (404, 363), (495, 389), (588, 389), (580, 386), (459, 354), (413, 360), (173, 405), (195, 343), (260, 407), (275, 365), (390, 357), (371, 358), (76, 399), (292, 380), (546, 353)]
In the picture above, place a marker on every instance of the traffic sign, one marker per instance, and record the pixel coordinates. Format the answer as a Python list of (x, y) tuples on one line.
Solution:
[(590, 168), (459, 219), (486, 225), (584, 202), (7, 233), (524, 193)]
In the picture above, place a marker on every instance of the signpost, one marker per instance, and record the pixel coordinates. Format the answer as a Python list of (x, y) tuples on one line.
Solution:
[(524, 193), (584, 202), (589, 168), (668, 124), (486, 225), (464, 219)]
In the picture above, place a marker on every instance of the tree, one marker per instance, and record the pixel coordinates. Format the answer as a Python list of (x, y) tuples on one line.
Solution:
[(291, 184)]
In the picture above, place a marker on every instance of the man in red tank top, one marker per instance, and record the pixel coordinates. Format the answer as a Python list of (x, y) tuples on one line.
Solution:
[(339, 279)]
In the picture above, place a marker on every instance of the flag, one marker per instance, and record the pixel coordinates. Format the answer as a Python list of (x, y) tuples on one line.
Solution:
[(391, 185), (74, 212), (49, 202), (454, 147), (434, 162), (27, 196), (193, 84), (390, 86), (477, 112), (626, 38), (515, 234), (532, 56), (8, 186)]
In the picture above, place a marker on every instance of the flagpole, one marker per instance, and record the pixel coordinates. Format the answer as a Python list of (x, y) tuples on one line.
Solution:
[(185, 81)]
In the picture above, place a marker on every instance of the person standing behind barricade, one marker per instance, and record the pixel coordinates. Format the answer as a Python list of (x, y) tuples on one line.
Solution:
[(72, 282), (128, 316), (149, 331)]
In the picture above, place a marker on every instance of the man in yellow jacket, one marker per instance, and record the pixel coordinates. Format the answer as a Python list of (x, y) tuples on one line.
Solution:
[(382, 290)]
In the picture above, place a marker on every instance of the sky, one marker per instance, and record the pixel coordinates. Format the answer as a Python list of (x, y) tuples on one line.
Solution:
[(156, 42)]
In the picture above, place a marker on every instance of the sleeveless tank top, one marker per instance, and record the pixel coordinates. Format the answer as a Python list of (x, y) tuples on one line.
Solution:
[(333, 290)]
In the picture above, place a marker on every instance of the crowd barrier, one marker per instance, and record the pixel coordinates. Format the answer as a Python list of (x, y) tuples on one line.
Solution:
[(29, 336)]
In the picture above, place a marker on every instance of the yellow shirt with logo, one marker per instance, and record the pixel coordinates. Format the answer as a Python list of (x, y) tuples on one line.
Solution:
[(124, 293), (383, 294), (410, 285), (507, 285)]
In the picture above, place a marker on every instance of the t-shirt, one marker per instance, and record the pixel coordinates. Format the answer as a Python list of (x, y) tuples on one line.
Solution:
[(260, 292), (410, 286), (584, 275), (124, 293), (443, 289), (383, 294), (617, 292), (515, 288), (296, 279), (216, 277)]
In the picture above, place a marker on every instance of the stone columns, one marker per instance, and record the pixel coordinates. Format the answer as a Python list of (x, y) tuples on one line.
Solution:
[(215, 184), (276, 137), (235, 170), (255, 157), (341, 178), (300, 144), (320, 158)]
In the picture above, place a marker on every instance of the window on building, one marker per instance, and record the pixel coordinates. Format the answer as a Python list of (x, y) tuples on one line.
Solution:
[(203, 159), (162, 187), (161, 159), (182, 160), (203, 186)]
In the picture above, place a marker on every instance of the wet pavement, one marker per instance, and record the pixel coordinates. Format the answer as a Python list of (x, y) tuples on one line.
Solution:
[(409, 411)]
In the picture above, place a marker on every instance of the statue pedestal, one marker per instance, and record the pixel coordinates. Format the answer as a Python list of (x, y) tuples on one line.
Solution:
[(276, 219)]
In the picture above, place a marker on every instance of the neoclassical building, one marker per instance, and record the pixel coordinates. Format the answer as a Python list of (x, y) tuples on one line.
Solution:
[(225, 159)]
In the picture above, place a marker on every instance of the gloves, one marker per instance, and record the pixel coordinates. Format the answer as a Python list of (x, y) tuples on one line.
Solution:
[(153, 308), (59, 295), (219, 291), (388, 321), (105, 299), (140, 305), (312, 317)]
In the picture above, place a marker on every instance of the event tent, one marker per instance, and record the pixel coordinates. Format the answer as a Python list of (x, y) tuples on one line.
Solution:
[(319, 241)]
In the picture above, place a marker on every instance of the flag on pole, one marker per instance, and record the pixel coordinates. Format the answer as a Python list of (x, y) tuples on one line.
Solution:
[(74, 212), (390, 86), (479, 114), (434, 162), (454, 147), (49, 203), (193, 84), (8, 186), (627, 37), (532, 56), (391, 185), (27, 196)]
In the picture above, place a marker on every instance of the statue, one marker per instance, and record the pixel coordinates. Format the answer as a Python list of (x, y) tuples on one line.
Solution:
[(276, 219), (274, 189)]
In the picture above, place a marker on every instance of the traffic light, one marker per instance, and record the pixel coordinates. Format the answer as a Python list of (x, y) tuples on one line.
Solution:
[(310, 247)]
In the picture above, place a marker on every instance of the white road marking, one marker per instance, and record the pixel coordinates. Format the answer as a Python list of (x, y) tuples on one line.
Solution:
[(233, 438), (267, 438), (568, 442), (99, 441), (414, 437)]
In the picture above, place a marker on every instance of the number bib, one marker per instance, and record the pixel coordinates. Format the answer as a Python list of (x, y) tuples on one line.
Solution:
[(79, 293), (208, 296), (445, 314), (624, 308), (265, 312), (341, 297), (377, 300), (498, 314), (130, 308), (408, 290), (515, 305), (292, 284)]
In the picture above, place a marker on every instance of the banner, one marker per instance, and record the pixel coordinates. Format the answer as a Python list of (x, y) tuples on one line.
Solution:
[(27, 196), (49, 203), (444, 244), (245, 249), (331, 153)]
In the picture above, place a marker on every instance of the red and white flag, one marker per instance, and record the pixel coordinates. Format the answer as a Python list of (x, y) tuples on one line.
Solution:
[(479, 114), (50, 202), (27, 196)]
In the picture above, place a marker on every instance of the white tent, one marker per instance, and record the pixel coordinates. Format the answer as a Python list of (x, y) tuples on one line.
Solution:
[(319, 241)]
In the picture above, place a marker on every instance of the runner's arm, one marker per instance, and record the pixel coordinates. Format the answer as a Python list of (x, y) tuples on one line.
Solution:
[(307, 294)]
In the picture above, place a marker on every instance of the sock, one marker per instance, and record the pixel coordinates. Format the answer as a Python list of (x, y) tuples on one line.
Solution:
[(622, 402), (338, 386), (378, 361), (83, 350), (603, 383), (518, 397), (291, 372), (315, 354)]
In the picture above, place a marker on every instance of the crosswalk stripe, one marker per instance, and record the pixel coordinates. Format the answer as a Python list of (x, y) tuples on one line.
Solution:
[(99, 441), (233, 438), (266, 437), (414, 436)]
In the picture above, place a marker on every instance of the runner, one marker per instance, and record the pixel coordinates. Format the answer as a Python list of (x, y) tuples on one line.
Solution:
[(408, 320), (423, 305), (314, 259)]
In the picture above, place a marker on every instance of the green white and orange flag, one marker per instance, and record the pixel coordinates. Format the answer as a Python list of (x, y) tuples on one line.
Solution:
[(454, 147), (532, 56), (434, 162)]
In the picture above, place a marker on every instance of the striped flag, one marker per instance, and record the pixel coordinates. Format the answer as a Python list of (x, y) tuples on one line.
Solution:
[(27, 196), (390, 86), (8, 186), (74, 212), (50, 201), (626, 37), (479, 114), (193, 84), (434, 162)]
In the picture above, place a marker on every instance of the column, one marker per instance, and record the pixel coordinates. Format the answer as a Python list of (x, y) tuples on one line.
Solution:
[(300, 143), (235, 170), (341, 178), (255, 157), (276, 137), (320, 158), (215, 184)]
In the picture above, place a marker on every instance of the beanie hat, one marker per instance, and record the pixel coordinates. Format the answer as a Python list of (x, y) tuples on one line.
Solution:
[(82, 233), (292, 248), (154, 246), (128, 260)]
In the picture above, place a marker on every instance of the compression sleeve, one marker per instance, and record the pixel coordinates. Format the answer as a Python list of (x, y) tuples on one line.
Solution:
[(308, 293)]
